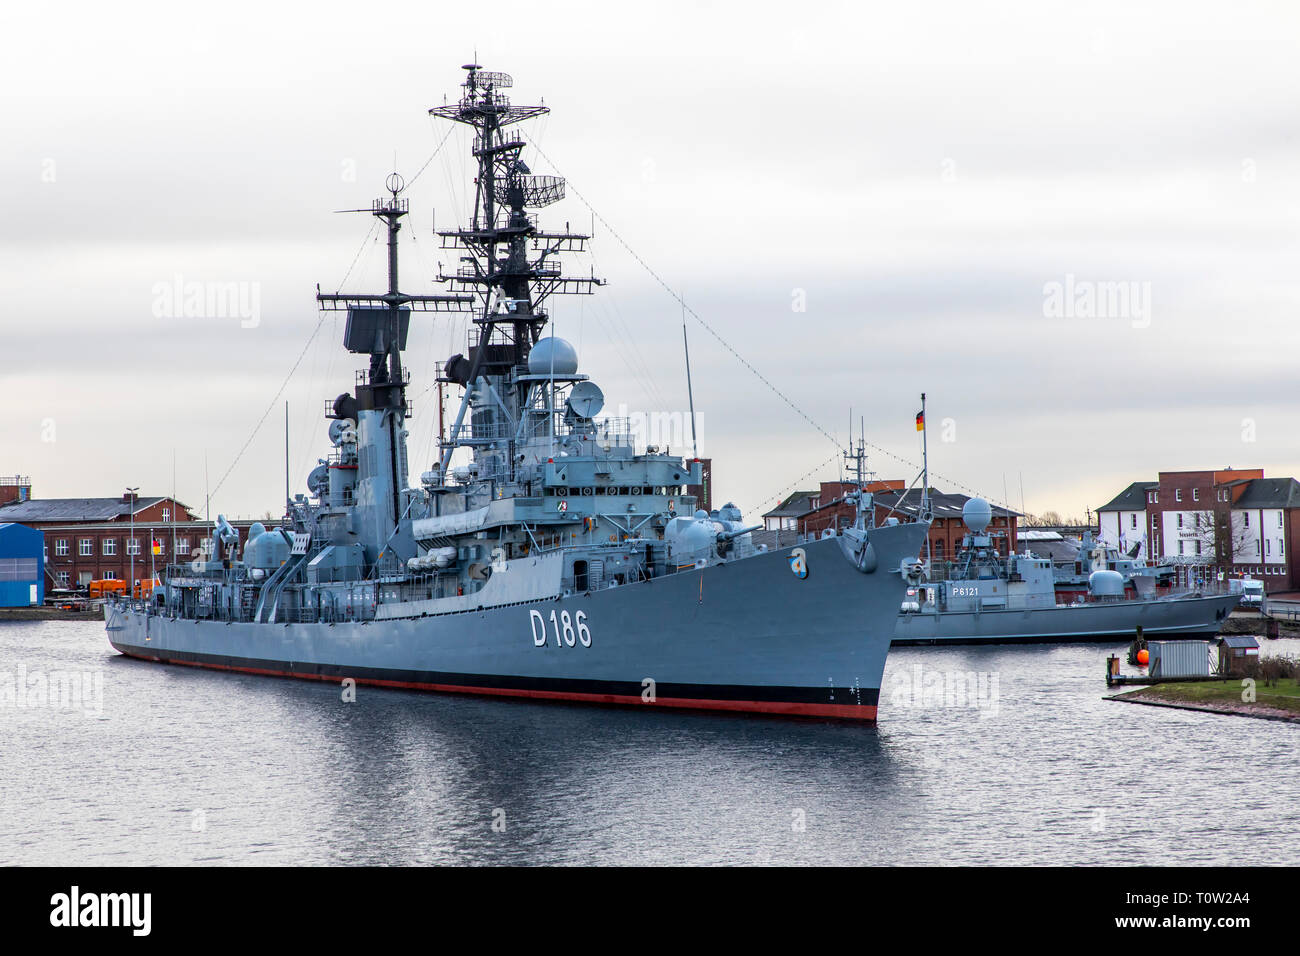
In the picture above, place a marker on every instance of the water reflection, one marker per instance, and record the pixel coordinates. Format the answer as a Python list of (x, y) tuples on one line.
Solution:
[(193, 766)]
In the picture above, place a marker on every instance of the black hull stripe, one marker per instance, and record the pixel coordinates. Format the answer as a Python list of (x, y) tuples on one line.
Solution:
[(565, 685)]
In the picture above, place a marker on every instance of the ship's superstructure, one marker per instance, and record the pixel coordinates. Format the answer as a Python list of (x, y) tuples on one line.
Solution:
[(1095, 555), (543, 554)]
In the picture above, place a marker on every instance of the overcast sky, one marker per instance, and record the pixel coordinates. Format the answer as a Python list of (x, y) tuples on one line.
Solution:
[(921, 178)]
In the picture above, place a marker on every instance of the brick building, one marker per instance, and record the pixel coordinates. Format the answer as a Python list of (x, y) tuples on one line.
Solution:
[(788, 514), (808, 512), (1231, 522), (95, 538), (14, 488)]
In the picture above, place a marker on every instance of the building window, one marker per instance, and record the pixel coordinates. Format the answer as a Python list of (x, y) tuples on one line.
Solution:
[(1133, 520), (160, 545), (182, 545), (61, 547), (167, 514), (1196, 494), (1198, 547), (84, 578), (87, 546), (110, 575), (132, 546), (1279, 519), (1180, 547), (62, 577), (1178, 494), (1180, 519), (110, 547), (1247, 514)]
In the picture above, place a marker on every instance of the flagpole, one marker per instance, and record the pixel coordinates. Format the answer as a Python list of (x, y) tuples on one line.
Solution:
[(925, 464), (925, 479)]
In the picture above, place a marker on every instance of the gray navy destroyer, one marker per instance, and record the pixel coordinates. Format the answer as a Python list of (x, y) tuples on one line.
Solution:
[(553, 558)]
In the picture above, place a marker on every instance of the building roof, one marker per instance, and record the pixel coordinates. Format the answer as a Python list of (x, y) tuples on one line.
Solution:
[(800, 502), (1265, 493), (1239, 640), (1060, 550), (942, 504), (1132, 498), (75, 509)]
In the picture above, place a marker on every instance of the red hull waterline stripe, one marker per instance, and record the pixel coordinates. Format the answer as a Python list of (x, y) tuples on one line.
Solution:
[(866, 712)]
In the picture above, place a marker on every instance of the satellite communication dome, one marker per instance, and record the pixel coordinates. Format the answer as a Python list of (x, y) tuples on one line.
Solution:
[(552, 356), (977, 513)]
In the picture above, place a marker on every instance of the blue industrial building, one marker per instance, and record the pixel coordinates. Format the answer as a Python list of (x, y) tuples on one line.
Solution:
[(22, 566)]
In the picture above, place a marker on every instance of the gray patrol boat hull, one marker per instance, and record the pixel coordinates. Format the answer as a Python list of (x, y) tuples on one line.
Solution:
[(1191, 616), (743, 635)]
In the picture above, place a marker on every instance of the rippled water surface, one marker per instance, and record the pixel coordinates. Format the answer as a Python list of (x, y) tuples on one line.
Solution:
[(185, 766)]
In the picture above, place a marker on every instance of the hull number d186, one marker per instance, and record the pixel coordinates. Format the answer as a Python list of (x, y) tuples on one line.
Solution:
[(567, 630)]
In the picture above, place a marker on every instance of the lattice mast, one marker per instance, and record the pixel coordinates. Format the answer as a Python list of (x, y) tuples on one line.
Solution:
[(507, 261)]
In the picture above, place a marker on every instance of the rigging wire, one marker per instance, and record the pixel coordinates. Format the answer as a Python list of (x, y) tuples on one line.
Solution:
[(726, 345), (437, 149), (798, 481), (357, 257), (316, 331), (269, 408), (672, 292)]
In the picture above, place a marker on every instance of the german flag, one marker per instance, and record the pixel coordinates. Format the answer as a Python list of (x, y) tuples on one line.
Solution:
[(920, 421)]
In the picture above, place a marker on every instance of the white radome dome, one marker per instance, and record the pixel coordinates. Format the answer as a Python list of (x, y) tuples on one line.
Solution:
[(976, 514), (553, 356)]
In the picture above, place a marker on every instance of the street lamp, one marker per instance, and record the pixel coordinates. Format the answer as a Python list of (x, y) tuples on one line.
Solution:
[(131, 541)]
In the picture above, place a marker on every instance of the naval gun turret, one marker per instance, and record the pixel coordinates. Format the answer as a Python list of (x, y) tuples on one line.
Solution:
[(704, 539)]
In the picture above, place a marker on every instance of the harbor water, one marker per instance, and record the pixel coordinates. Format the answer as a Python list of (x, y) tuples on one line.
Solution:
[(983, 755)]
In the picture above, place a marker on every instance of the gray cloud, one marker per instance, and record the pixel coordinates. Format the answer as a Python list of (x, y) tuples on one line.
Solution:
[(918, 175)]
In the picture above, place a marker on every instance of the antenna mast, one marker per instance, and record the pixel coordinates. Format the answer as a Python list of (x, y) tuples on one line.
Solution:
[(507, 261), (690, 394)]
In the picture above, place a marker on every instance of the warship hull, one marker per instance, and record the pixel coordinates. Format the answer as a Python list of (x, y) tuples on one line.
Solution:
[(1163, 617), (747, 635)]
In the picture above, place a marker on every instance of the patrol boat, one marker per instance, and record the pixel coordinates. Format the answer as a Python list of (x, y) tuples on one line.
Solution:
[(985, 598), (555, 559)]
